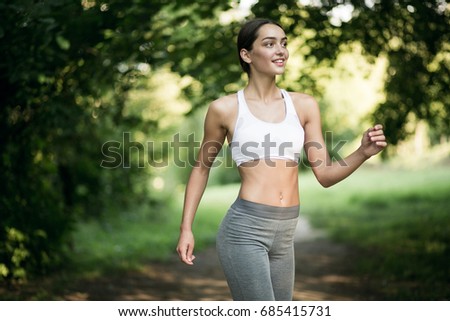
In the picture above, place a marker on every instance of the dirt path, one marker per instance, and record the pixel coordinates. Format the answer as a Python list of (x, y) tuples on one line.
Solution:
[(324, 271)]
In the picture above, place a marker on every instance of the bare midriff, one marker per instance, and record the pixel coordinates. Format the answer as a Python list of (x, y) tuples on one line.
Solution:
[(270, 182)]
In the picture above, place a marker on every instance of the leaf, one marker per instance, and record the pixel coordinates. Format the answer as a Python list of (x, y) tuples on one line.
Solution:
[(63, 43)]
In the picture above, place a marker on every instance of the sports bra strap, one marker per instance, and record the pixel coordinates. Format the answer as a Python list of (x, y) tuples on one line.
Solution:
[(290, 109), (242, 104), (243, 107)]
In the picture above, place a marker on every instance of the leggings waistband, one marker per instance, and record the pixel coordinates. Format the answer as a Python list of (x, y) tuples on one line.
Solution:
[(265, 211)]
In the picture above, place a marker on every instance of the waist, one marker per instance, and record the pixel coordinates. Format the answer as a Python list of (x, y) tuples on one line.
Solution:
[(265, 211), (272, 184)]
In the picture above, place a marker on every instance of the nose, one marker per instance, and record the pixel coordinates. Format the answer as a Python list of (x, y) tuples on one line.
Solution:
[(280, 51)]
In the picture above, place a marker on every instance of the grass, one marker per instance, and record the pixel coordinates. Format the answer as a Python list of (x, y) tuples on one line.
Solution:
[(125, 242), (401, 222)]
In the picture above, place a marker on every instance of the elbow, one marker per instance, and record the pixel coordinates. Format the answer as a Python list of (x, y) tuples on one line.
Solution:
[(324, 178), (325, 183)]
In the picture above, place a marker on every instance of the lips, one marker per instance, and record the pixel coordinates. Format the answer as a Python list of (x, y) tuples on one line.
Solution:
[(279, 62)]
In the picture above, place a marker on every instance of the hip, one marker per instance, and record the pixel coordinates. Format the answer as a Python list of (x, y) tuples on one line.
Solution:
[(246, 222)]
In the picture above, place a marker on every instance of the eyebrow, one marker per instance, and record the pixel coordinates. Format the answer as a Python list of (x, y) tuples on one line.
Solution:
[(274, 38)]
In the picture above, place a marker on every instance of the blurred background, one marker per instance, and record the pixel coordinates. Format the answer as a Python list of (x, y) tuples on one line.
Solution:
[(101, 115)]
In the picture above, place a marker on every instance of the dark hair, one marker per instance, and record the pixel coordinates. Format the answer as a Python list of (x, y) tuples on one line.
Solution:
[(247, 35)]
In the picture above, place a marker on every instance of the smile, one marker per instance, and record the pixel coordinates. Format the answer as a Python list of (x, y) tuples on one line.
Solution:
[(279, 62)]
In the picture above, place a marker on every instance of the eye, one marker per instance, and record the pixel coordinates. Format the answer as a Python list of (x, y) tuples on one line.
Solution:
[(269, 44)]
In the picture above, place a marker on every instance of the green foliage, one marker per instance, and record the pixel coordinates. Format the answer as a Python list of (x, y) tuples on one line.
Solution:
[(16, 250), (201, 47), (42, 131), (64, 76), (412, 34)]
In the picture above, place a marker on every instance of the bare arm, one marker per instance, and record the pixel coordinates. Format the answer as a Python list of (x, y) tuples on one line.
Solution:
[(327, 172), (214, 136)]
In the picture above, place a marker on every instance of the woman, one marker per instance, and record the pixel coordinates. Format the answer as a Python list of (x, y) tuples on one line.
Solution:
[(266, 128)]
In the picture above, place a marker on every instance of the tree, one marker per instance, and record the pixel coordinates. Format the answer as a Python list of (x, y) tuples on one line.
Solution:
[(66, 69)]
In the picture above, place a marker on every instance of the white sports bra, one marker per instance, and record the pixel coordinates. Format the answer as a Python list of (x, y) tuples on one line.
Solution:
[(255, 139)]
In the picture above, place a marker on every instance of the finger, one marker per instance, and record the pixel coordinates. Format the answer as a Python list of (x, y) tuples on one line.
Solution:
[(378, 127), (377, 138), (189, 256), (182, 253), (185, 256), (376, 132), (368, 132)]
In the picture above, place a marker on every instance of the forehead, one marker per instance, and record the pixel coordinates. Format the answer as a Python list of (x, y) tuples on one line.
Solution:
[(270, 30)]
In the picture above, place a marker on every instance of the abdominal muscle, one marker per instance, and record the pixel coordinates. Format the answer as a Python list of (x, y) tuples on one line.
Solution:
[(270, 181)]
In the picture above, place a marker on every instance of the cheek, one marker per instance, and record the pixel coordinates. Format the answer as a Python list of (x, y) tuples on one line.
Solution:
[(265, 54), (262, 57)]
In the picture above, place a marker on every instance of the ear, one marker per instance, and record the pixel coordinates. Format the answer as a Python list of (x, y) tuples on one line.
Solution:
[(245, 55)]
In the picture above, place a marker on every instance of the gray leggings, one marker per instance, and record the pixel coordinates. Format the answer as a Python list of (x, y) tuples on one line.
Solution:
[(255, 244)]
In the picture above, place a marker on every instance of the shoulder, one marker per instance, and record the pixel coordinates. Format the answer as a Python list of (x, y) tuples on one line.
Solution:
[(306, 105), (223, 109), (302, 100), (223, 104)]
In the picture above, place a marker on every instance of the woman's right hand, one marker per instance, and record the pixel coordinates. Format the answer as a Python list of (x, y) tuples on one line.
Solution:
[(185, 247)]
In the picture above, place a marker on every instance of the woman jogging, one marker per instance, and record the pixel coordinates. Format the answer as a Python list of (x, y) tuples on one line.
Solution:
[(266, 128)]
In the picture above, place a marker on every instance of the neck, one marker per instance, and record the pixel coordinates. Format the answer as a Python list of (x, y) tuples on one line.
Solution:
[(262, 88)]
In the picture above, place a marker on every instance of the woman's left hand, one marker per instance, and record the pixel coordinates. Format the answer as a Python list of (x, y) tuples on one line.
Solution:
[(373, 141)]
